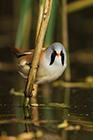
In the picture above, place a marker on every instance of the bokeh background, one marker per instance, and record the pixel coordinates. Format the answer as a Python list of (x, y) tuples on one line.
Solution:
[(71, 97)]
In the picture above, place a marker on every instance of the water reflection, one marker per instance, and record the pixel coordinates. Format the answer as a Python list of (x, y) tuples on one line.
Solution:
[(48, 112)]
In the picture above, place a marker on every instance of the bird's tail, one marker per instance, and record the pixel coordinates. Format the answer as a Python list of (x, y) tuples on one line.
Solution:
[(16, 51)]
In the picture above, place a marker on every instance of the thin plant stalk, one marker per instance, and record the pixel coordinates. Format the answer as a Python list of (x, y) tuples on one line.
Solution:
[(65, 42), (65, 39), (38, 48), (22, 37)]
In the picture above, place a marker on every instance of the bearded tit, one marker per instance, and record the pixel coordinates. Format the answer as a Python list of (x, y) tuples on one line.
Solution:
[(52, 63)]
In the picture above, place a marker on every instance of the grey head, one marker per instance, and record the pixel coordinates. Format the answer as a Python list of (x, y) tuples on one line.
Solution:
[(54, 50)]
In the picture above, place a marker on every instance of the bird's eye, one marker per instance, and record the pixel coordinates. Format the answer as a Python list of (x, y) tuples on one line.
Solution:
[(53, 55), (62, 57)]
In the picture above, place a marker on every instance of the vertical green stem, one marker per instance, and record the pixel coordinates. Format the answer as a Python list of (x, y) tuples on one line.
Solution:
[(24, 24), (65, 41), (65, 38)]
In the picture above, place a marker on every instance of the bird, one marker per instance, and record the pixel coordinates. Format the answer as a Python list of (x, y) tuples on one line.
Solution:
[(52, 63)]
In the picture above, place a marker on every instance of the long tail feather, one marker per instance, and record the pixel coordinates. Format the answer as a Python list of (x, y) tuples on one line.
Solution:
[(15, 51), (18, 53)]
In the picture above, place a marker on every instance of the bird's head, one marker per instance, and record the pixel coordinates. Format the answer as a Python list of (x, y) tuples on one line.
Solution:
[(57, 53)]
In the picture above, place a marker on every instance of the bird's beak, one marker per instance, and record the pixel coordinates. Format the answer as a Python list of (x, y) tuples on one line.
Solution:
[(58, 54)]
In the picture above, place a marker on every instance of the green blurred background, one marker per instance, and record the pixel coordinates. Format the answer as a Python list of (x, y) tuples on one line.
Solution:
[(18, 24), (71, 23)]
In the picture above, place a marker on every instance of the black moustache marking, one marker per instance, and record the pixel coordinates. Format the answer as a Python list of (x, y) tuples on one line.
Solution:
[(62, 57), (53, 57)]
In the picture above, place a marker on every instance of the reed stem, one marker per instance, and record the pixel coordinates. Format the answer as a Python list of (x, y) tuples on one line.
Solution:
[(38, 48), (22, 37)]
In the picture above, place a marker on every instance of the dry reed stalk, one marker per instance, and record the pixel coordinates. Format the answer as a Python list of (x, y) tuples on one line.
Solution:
[(39, 44)]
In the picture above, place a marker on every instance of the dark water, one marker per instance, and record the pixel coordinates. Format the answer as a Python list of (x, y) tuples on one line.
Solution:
[(52, 106)]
